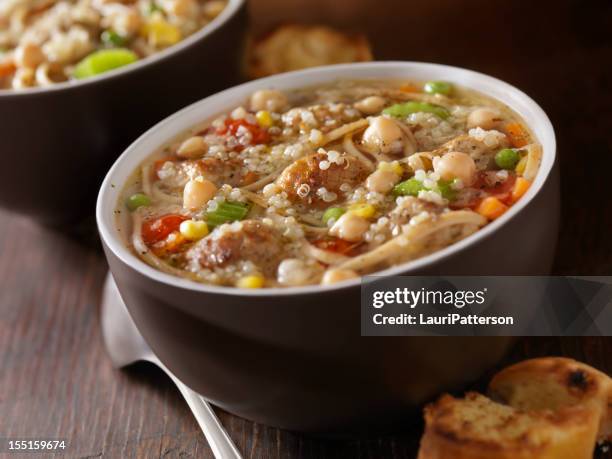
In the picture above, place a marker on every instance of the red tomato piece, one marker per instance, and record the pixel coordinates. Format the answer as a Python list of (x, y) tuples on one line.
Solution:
[(158, 229), (336, 245), (258, 134)]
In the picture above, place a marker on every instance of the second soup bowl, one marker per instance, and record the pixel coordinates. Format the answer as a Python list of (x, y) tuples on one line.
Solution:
[(62, 138)]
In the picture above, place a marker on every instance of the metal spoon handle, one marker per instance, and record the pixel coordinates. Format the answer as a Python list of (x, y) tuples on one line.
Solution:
[(219, 441)]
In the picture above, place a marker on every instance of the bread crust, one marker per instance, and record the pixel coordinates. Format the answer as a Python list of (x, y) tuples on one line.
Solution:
[(554, 383), (293, 47), (450, 434)]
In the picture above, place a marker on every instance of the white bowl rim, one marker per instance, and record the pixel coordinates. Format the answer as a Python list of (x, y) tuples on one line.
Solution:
[(228, 12), (106, 205)]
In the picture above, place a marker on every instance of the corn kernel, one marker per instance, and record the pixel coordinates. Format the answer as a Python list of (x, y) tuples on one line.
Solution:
[(193, 230), (263, 118), (520, 167), (362, 210), (253, 281), (394, 166), (159, 32), (491, 208)]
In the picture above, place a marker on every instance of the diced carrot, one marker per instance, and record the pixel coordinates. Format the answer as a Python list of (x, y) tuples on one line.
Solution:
[(517, 135), (249, 178), (520, 188), (491, 208), (170, 244), (409, 87), (7, 67)]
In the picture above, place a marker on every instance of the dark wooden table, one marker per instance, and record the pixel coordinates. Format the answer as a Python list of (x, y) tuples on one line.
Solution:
[(55, 378)]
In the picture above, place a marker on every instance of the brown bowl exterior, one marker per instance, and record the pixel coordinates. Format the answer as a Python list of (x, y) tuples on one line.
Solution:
[(59, 143), (299, 362)]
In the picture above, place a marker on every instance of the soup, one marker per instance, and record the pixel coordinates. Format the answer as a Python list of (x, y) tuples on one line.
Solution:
[(43, 42), (324, 184)]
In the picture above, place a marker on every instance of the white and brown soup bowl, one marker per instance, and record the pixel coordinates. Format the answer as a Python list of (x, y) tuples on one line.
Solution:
[(294, 357)]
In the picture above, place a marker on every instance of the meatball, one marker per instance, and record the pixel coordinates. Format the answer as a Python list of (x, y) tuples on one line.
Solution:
[(174, 174), (304, 179), (253, 241), (477, 149)]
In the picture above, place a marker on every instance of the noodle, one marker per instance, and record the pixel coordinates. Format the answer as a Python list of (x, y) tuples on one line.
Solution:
[(352, 150), (342, 130), (262, 181), (255, 198), (534, 157), (164, 197), (145, 174), (408, 244), (325, 256)]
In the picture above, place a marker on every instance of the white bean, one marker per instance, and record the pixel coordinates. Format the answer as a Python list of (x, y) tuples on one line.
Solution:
[(198, 192), (456, 165), (382, 181), (383, 135), (484, 118), (370, 105), (350, 227), (268, 99), (332, 275), (193, 147)]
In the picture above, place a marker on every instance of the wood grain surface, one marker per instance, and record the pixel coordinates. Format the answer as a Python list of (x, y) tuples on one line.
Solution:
[(55, 378)]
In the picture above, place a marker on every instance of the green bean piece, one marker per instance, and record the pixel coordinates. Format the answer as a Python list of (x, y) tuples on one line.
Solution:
[(410, 187), (445, 188), (103, 61), (407, 108), (438, 87), (226, 211), (332, 212), (137, 200)]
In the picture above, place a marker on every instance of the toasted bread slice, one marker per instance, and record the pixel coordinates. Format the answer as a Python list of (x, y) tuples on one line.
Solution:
[(553, 383), (478, 428), (294, 47)]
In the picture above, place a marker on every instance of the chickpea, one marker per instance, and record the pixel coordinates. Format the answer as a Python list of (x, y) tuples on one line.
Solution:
[(29, 55), (371, 105), (268, 99), (293, 271), (383, 135), (350, 227), (127, 23), (484, 118), (24, 78), (198, 192), (332, 276), (382, 181), (456, 165), (193, 147)]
